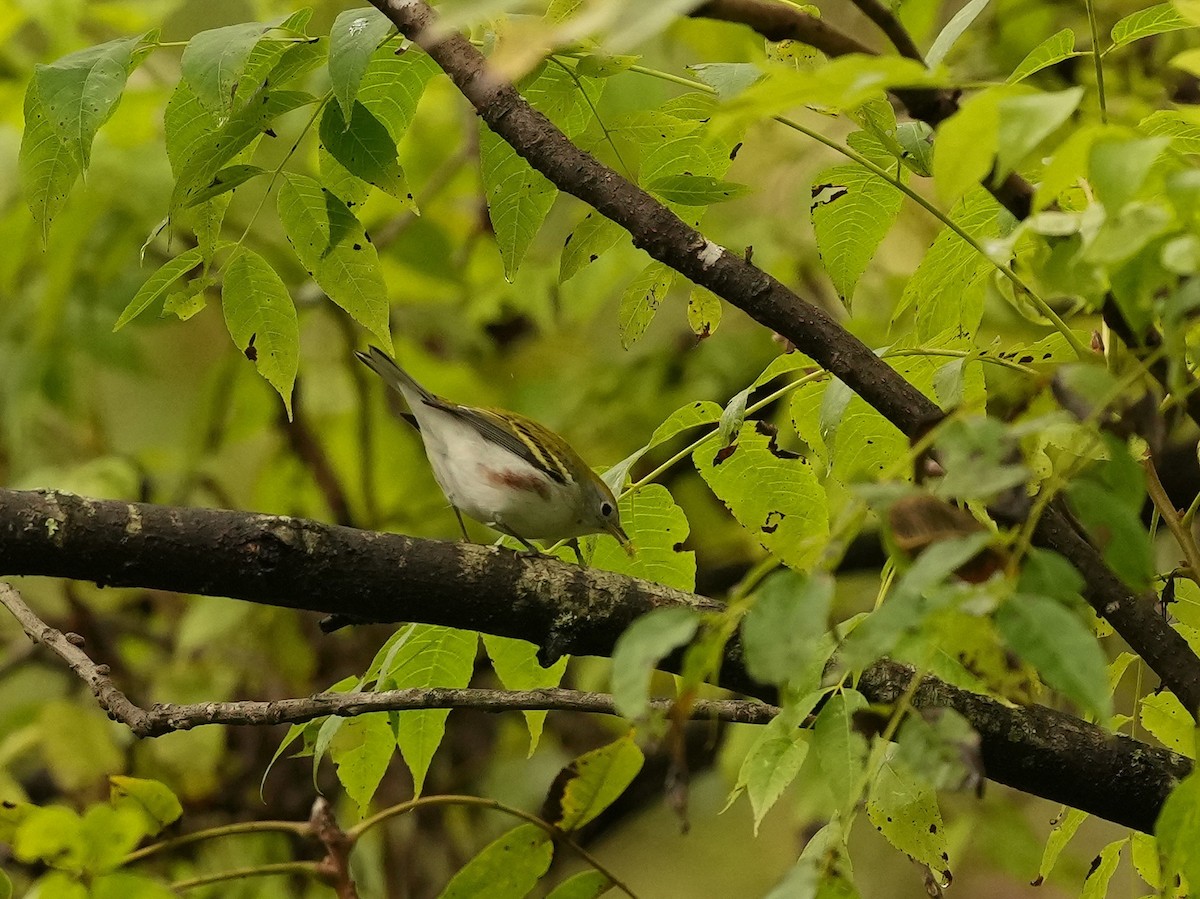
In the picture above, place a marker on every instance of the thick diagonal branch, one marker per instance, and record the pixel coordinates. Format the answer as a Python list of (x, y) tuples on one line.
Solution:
[(670, 240), (303, 564)]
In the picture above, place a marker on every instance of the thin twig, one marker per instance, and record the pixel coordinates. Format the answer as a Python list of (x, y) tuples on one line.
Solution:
[(887, 22), (312, 869), (162, 719), (1170, 515)]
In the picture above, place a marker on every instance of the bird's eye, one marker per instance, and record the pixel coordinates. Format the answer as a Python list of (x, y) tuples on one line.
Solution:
[(606, 509)]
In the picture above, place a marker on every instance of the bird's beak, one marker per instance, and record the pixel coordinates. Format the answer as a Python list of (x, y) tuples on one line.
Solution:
[(619, 533)]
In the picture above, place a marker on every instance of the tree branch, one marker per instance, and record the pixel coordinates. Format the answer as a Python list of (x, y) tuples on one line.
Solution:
[(885, 20), (670, 240), (563, 608)]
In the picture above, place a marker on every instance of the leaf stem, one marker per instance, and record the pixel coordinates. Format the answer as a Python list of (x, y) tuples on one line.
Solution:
[(1097, 56), (298, 828), (309, 868)]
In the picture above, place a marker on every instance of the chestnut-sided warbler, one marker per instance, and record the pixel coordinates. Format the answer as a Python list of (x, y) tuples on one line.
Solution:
[(504, 469)]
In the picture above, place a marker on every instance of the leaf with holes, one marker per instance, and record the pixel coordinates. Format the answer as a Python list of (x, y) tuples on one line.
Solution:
[(262, 321), (658, 528), (213, 61), (355, 36), (507, 868), (48, 167), (641, 300), (587, 243), (774, 494), (905, 810), (333, 246), (852, 211), (366, 150)]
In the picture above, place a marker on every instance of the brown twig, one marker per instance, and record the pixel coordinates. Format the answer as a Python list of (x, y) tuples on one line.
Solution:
[(1170, 515), (885, 20), (334, 868), (311, 453)]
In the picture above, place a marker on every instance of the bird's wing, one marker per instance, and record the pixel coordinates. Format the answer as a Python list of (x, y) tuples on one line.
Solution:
[(517, 434)]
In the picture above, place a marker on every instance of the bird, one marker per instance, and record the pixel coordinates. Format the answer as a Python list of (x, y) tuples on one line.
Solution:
[(505, 470)]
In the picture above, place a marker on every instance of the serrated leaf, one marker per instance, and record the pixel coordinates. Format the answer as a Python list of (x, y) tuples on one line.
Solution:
[(333, 246), (393, 85), (518, 198), (80, 92), (641, 300), (279, 61), (188, 300), (355, 36), (259, 312), (1143, 852), (685, 417), (1152, 20), (202, 152), (366, 149), (591, 783), (696, 190), (639, 650), (214, 60), (1117, 531), (48, 167), (567, 99), (784, 627), (852, 211), (229, 178), (773, 494), (586, 885), (772, 764), (507, 868), (728, 79), (1062, 648), (703, 311), (658, 528), (157, 284), (587, 243), (841, 750), (905, 810), (954, 29), (361, 751), (155, 798), (430, 657), (1052, 50), (516, 664), (1184, 133)]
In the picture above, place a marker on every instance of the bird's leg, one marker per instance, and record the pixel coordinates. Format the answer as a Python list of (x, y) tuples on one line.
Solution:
[(530, 551), (461, 524), (574, 544)]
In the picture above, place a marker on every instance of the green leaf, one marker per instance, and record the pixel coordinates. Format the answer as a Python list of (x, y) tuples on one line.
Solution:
[(1143, 852), (638, 651), (518, 198), (430, 657), (1062, 648), (953, 31), (1052, 50), (586, 885), (157, 284), (1116, 529), (507, 868), (188, 299), (361, 751), (587, 243), (1163, 715), (214, 60), (229, 178), (591, 783), (279, 61), (1118, 168), (50, 834), (728, 79), (772, 764), (905, 810), (841, 750), (1025, 121), (682, 419), (641, 300), (696, 190), (1064, 831), (1152, 20), (6, 887), (658, 528), (353, 40), (1047, 573), (393, 85), (1095, 885), (774, 495), (48, 167), (703, 311), (124, 885), (366, 149), (1178, 831), (566, 100), (154, 798), (202, 152), (966, 143), (823, 870), (1183, 132), (783, 629), (852, 211), (333, 246), (80, 92), (517, 666), (107, 834), (60, 885), (259, 314), (603, 65)]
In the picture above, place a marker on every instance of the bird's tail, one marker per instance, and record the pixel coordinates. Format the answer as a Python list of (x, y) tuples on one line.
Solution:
[(391, 372)]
